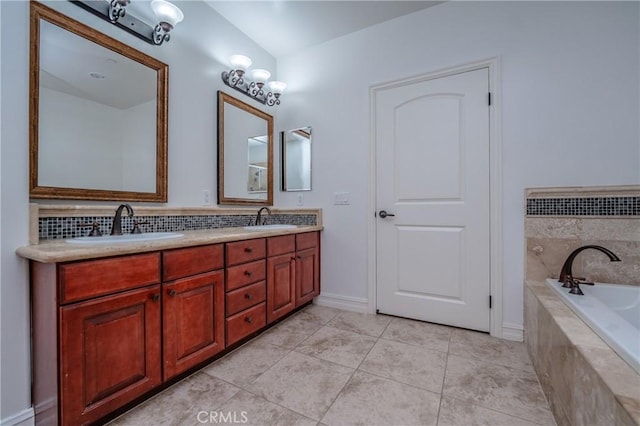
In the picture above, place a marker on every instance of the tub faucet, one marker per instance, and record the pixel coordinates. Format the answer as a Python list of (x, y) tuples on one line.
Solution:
[(259, 215), (566, 275), (116, 228)]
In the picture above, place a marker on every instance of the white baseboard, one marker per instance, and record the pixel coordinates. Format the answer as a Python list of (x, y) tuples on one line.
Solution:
[(347, 303), (513, 332), (23, 418)]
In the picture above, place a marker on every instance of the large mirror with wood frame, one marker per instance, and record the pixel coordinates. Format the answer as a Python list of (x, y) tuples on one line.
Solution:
[(98, 114), (245, 153)]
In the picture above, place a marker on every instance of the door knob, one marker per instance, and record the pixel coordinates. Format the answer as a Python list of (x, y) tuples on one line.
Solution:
[(384, 214)]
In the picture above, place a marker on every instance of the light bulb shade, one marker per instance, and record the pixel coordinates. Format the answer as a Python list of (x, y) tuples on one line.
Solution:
[(277, 87), (240, 62), (260, 75), (167, 12)]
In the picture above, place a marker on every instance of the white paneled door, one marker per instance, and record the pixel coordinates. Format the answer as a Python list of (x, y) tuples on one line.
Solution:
[(432, 196)]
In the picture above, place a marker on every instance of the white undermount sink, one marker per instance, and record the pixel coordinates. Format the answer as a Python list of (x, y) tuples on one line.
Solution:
[(269, 227), (126, 238)]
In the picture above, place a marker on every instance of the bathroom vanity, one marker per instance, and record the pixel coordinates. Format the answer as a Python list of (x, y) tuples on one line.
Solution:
[(114, 324)]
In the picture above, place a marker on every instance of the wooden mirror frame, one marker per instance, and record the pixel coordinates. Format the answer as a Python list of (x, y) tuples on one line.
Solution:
[(42, 12), (223, 99)]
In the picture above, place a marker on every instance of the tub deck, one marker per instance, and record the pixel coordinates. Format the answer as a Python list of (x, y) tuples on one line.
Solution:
[(584, 380)]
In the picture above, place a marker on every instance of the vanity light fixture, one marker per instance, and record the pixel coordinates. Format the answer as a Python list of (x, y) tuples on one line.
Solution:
[(254, 87), (167, 16)]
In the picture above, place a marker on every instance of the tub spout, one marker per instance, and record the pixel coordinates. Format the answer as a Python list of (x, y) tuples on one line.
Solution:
[(566, 274)]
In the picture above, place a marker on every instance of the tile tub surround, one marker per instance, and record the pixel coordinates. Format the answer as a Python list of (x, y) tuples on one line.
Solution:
[(325, 366), (62, 221), (551, 237), (584, 380)]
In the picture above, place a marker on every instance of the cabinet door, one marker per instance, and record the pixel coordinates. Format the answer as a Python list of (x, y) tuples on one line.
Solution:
[(281, 289), (193, 321), (109, 353), (307, 275)]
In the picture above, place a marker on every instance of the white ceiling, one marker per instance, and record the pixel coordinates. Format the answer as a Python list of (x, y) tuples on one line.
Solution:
[(285, 26)]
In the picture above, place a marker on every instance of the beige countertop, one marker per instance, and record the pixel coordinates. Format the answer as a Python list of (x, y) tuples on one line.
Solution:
[(54, 251)]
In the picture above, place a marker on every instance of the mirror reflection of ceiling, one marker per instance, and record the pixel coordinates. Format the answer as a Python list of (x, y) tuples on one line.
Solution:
[(257, 141), (78, 67), (282, 27)]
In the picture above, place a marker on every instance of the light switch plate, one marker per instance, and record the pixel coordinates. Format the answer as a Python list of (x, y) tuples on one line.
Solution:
[(341, 198)]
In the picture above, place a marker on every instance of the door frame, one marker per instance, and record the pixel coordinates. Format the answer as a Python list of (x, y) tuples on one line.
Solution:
[(496, 326)]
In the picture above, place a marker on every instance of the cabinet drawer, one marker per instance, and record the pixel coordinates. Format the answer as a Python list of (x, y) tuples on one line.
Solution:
[(306, 240), (245, 297), (83, 280), (191, 261), (246, 322), (249, 273), (281, 245), (245, 251)]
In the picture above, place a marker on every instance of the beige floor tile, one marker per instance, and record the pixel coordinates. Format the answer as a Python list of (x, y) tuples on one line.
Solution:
[(249, 409), (508, 390), (459, 413), (419, 333), (375, 401), (303, 384), (407, 364), (371, 325), (289, 333), (318, 314), (483, 347), (244, 365), (180, 404), (339, 346)]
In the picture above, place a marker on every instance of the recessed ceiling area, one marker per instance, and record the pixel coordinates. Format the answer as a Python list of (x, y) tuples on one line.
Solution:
[(283, 27)]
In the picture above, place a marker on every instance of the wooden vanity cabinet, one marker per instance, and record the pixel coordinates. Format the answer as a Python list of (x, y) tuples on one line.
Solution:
[(293, 272), (193, 307), (109, 353), (245, 288), (281, 276), (307, 267), (107, 331), (108, 325)]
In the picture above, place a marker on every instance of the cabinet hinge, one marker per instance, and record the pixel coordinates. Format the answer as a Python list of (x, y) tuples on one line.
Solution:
[(490, 302), (489, 98)]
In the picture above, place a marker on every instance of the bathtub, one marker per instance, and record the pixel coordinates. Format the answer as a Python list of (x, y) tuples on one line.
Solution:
[(613, 313)]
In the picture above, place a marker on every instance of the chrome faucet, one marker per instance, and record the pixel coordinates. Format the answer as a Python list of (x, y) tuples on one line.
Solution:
[(259, 219), (116, 228), (566, 275)]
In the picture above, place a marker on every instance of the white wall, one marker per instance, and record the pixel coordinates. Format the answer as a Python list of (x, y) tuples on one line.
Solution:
[(570, 110), (197, 54)]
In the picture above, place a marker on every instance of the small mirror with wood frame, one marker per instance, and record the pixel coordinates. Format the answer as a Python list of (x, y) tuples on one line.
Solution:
[(245, 153), (98, 114)]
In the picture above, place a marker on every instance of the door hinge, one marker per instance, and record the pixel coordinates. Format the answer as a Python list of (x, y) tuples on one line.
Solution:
[(489, 98), (377, 311), (490, 302)]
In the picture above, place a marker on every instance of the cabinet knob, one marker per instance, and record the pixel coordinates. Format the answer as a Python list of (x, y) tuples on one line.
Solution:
[(248, 296), (248, 249), (155, 297), (249, 319), (172, 292), (248, 273)]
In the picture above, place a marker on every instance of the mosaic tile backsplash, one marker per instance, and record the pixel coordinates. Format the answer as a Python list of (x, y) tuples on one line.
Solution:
[(584, 206), (51, 228)]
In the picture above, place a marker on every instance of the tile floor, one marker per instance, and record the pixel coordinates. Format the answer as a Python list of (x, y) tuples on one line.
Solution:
[(325, 366)]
